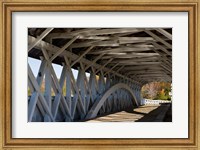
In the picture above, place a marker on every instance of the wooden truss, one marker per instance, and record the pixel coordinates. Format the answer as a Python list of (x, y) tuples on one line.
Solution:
[(119, 62)]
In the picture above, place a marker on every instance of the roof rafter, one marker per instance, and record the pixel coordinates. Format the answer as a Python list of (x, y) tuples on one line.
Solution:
[(135, 54)]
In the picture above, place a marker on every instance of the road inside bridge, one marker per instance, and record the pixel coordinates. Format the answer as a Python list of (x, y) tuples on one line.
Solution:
[(146, 113)]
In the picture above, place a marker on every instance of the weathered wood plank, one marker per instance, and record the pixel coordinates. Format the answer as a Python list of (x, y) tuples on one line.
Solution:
[(31, 105), (63, 48), (39, 38), (36, 86), (159, 39), (165, 33), (82, 55)]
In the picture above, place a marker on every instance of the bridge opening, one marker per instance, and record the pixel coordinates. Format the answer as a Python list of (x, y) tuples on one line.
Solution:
[(157, 91), (84, 73)]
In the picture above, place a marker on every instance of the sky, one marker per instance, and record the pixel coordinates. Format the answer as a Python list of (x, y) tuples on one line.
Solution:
[(35, 65)]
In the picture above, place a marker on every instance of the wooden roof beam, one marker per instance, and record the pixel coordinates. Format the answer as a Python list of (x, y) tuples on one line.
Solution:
[(93, 32), (82, 55), (68, 35), (111, 68), (122, 49), (165, 33), (144, 72), (54, 49), (162, 48), (134, 54), (104, 65), (39, 38), (126, 63), (63, 48), (113, 31), (157, 38), (145, 67), (113, 42), (134, 59)]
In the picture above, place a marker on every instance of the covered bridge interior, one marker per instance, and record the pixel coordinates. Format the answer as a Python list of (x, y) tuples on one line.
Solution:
[(119, 62)]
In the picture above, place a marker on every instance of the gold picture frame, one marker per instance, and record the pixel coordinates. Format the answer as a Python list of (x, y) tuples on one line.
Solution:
[(9, 6)]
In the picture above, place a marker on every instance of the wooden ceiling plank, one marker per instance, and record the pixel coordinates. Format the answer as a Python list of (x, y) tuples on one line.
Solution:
[(94, 61), (133, 54), (144, 72), (73, 56), (103, 66), (140, 59), (82, 55), (162, 48), (68, 35), (111, 68), (140, 63), (112, 42), (39, 38), (122, 49), (113, 31), (165, 33), (93, 32), (166, 68), (63, 48), (157, 38), (145, 67)]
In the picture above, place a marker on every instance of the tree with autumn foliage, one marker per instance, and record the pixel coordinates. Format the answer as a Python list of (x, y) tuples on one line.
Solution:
[(157, 90)]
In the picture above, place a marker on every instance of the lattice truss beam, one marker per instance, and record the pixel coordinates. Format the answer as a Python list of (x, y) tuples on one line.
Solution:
[(119, 62)]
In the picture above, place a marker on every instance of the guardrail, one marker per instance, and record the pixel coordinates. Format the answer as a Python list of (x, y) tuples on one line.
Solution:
[(154, 102)]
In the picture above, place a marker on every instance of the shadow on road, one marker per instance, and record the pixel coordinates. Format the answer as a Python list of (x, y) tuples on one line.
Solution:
[(159, 114)]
